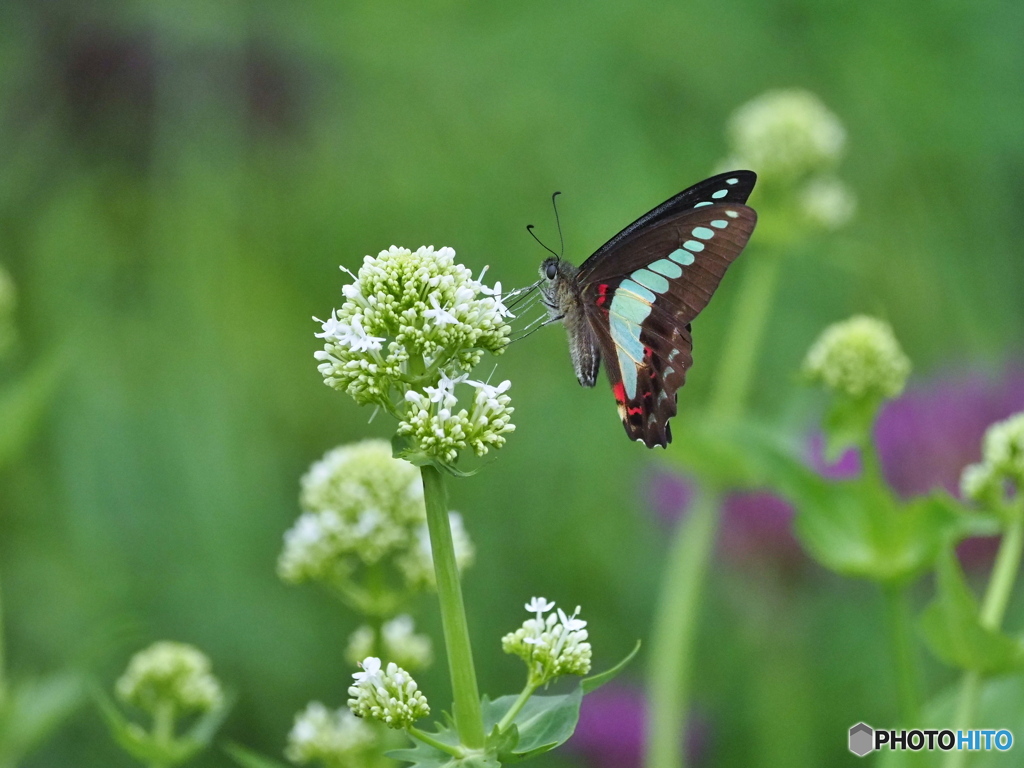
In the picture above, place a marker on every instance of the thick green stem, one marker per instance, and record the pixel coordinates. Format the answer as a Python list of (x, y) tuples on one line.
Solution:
[(468, 717), (739, 353), (907, 676), (678, 608), (993, 608), (675, 629), (163, 727)]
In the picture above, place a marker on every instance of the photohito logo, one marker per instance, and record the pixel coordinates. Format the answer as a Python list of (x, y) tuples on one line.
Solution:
[(864, 739)]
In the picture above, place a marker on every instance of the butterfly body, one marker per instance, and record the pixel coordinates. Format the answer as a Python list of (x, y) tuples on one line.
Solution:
[(632, 302)]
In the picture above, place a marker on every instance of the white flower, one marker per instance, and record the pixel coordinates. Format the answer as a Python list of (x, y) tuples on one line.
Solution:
[(408, 308), (332, 738), (859, 357), (439, 314), (390, 696), (442, 431), (539, 606), (786, 135), (551, 645), (170, 673)]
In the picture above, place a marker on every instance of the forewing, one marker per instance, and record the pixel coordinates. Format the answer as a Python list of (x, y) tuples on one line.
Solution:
[(641, 299), (731, 187)]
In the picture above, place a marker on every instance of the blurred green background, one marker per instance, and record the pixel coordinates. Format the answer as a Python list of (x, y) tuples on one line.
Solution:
[(180, 181)]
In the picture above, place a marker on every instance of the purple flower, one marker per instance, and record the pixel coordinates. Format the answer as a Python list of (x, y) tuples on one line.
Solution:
[(757, 526), (926, 437), (612, 729), (669, 496)]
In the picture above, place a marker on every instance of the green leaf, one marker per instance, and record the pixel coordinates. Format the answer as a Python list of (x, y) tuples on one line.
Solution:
[(592, 683), (543, 723), (34, 709), (953, 632), (247, 758)]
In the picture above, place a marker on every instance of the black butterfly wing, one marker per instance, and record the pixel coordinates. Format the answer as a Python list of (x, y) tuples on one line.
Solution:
[(731, 187), (641, 296)]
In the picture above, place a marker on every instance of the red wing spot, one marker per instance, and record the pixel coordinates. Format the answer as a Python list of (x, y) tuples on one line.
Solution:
[(647, 352), (602, 294), (648, 395), (637, 411), (619, 390)]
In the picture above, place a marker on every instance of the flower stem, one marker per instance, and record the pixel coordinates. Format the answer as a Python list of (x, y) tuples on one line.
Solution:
[(901, 634), (675, 628), (993, 608), (677, 616), (426, 738), (468, 716), (519, 703), (739, 353)]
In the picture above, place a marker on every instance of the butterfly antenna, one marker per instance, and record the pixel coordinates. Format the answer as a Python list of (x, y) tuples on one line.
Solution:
[(528, 331), (529, 228), (558, 222)]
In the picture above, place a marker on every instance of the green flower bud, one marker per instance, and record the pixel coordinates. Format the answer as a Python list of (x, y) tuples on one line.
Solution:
[(859, 358), (551, 645), (170, 673), (389, 695)]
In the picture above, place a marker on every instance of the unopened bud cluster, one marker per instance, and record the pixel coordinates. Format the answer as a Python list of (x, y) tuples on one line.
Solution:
[(1002, 463), (170, 674), (794, 143), (858, 358), (389, 695), (552, 645)]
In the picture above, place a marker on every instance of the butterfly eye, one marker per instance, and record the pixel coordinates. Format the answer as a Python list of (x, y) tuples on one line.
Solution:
[(551, 270)]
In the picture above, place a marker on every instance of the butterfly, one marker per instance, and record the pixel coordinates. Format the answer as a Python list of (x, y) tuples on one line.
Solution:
[(631, 303)]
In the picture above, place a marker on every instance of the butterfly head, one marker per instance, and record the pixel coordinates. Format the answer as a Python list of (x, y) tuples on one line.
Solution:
[(558, 286)]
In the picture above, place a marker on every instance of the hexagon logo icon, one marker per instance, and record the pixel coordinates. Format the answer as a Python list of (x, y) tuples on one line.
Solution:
[(862, 739)]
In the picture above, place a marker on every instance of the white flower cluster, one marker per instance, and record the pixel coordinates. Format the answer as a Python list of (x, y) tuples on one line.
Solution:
[(792, 140), (412, 326), (441, 431), (389, 695), (362, 507), (170, 673), (336, 739), (1002, 462), (859, 357), (398, 642), (551, 645)]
